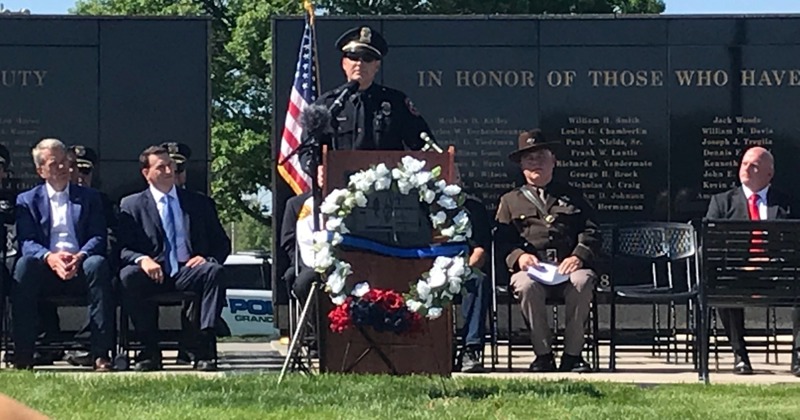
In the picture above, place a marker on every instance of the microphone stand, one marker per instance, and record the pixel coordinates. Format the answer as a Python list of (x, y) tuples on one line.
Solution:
[(315, 146), (292, 354)]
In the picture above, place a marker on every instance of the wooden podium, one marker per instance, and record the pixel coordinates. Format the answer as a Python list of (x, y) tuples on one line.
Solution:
[(365, 350)]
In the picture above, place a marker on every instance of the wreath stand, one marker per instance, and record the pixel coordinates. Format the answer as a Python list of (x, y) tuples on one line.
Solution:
[(427, 352)]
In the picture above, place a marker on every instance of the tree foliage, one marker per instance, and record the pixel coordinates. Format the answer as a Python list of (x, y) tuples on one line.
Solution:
[(490, 7), (241, 88)]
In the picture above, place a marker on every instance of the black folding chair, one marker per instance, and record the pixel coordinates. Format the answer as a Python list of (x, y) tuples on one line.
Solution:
[(670, 252)]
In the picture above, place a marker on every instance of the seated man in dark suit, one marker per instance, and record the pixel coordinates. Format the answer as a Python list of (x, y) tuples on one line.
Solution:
[(289, 239), (61, 230), (755, 199), (170, 239)]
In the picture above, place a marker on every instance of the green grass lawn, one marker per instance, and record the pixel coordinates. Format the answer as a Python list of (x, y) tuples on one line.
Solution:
[(252, 396)]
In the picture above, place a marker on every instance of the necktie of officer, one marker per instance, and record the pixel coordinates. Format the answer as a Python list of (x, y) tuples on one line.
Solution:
[(542, 194), (168, 221), (361, 126)]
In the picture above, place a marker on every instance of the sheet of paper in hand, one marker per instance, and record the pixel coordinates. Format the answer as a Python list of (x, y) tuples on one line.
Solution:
[(547, 274)]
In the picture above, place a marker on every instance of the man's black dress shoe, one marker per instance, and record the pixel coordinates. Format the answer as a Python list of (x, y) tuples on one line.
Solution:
[(206, 366), (741, 365), (570, 363), (543, 363), (147, 362)]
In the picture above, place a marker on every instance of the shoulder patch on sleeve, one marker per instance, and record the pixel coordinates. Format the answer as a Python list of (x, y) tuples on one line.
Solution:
[(411, 108)]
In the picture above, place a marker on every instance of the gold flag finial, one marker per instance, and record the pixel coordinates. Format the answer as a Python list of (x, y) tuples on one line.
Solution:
[(309, 6)]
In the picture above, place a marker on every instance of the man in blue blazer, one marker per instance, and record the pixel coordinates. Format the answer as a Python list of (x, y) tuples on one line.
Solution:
[(171, 239), (61, 230)]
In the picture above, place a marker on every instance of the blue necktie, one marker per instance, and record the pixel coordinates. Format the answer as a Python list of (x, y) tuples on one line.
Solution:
[(171, 244)]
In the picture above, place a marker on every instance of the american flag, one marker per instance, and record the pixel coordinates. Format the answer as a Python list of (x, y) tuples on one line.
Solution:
[(304, 92)]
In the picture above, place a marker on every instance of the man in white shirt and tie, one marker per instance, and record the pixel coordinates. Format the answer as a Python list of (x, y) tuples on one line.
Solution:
[(755, 199), (61, 230), (170, 239)]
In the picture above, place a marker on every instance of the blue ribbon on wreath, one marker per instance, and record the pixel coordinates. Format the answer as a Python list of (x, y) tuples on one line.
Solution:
[(450, 249)]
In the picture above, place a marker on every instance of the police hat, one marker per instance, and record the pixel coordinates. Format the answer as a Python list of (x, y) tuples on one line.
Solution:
[(85, 156), (363, 39), (179, 152), (530, 141), (5, 156)]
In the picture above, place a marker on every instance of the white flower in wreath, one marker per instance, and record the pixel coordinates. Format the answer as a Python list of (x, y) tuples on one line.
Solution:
[(338, 299), (323, 259), (434, 313), (383, 183), (333, 201), (455, 287), (452, 190), (361, 199), (404, 185), (423, 290), (461, 220), (421, 178), (449, 231), (428, 196), (438, 219), (360, 289), (413, 305), (411, 164), (447, 202), (336, 279), (440, 185), (333, 223), (438, 278), (442, 262)]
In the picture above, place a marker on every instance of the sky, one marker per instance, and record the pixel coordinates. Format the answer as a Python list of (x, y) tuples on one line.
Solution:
[(673, 6)]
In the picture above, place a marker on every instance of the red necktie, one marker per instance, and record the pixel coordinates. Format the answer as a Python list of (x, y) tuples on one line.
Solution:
[(752, 207)]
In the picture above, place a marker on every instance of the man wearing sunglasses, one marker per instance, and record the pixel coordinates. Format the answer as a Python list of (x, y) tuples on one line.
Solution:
[(373, 117)]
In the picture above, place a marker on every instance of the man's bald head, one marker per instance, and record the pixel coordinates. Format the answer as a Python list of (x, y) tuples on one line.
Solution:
[(757, 168)]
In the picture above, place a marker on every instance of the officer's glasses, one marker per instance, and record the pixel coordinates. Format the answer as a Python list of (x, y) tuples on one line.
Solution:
[(85, 171), (367, 58)]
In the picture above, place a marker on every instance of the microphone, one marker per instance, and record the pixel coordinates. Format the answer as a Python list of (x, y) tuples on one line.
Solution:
[(348, 89), (429, 143), (315, 118)]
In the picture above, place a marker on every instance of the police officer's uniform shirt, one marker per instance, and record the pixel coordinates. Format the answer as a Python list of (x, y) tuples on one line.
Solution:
[(522, 228), (62, 233), (378, 118)]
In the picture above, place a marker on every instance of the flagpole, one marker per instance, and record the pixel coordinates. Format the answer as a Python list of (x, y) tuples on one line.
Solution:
[(309, 6)]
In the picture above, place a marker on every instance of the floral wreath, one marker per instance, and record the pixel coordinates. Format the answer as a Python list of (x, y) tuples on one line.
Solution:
[(428, 295)]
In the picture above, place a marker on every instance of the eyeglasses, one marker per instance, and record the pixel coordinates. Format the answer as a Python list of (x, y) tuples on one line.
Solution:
[(85, 171), (367, 58), (179, 169)]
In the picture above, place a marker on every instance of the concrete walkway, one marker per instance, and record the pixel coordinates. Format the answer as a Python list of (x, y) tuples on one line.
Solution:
[(639, 367)]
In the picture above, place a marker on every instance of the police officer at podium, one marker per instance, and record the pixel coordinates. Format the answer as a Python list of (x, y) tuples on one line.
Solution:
[(544, 222), (372, 116)]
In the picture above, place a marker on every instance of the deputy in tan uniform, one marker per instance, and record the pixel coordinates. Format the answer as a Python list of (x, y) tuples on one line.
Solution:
[(546, 222)]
